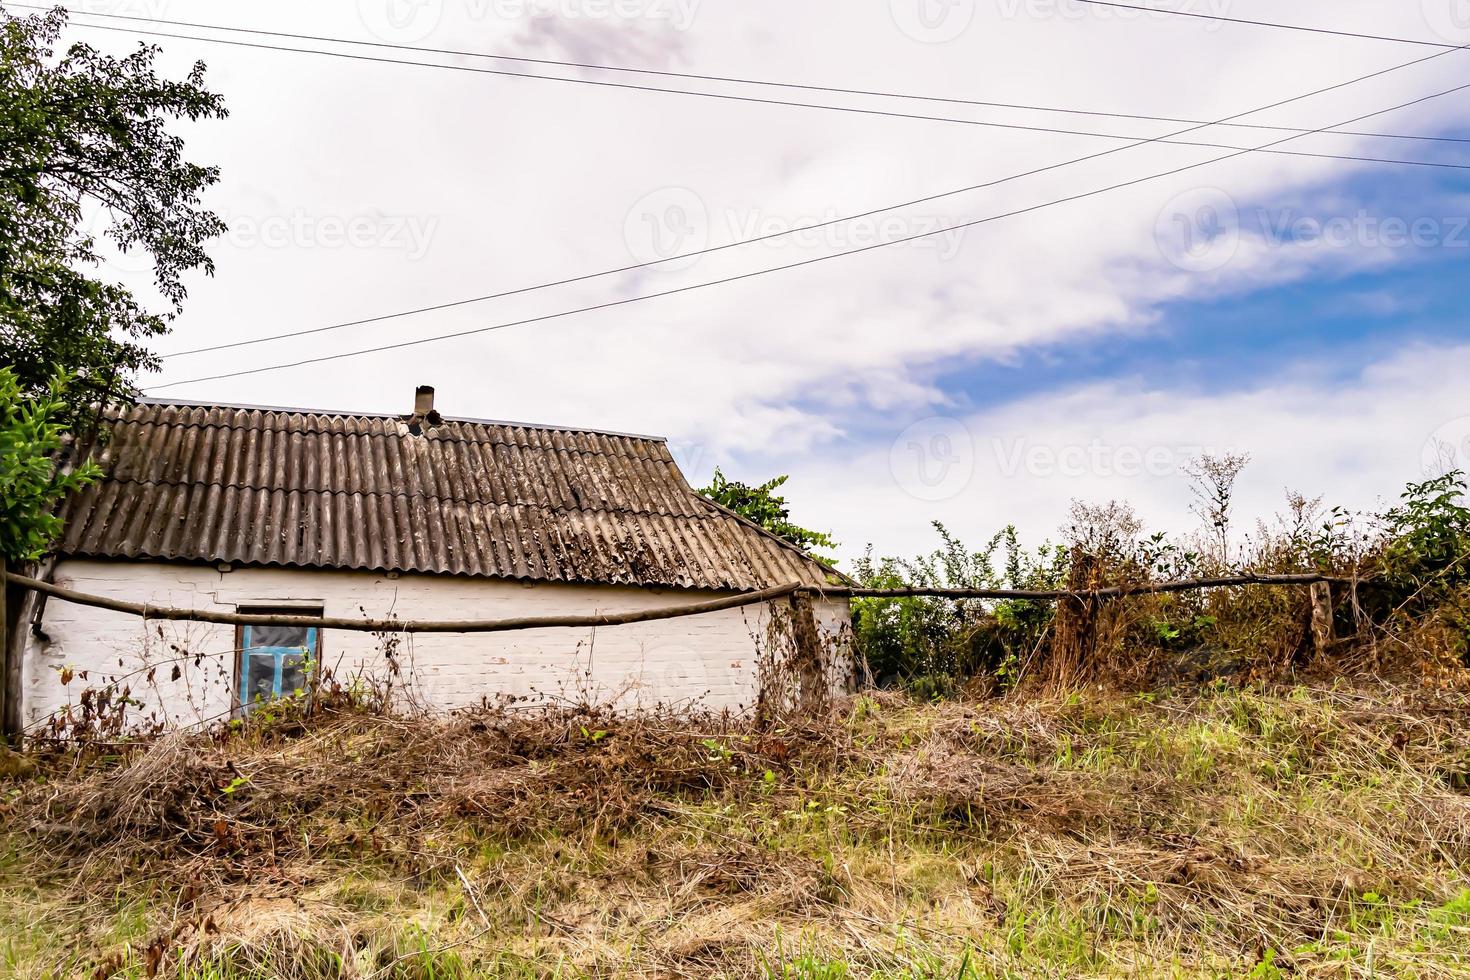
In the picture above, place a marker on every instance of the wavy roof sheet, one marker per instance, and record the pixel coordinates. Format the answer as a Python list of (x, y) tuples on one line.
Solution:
[(301, 489)]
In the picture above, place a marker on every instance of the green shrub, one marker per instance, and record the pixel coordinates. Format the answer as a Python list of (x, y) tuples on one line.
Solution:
[(32, 479), (930, 642)]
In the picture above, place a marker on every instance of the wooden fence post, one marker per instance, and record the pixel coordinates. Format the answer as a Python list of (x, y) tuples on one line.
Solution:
[(811, 672), (1322, 629), (1074, 630)]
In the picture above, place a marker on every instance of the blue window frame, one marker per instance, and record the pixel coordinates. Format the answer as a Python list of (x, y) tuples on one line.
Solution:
[(275, 661)]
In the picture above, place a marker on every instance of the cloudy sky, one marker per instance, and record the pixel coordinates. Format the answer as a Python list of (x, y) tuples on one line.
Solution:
[(1308, 311)]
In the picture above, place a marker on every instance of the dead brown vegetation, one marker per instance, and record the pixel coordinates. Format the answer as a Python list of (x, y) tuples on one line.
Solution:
[(1098, 835)]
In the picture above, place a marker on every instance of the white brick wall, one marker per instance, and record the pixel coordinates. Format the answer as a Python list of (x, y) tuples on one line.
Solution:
[(708, 660)]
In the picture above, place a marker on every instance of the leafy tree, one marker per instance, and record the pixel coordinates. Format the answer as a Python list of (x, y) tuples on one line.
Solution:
[(761, 505), (929, 643), (1426, 557), (81, 133), (31, 483)]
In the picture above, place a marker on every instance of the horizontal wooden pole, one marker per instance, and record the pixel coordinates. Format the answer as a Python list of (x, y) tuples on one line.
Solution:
[(147, 612), (1113, 592)]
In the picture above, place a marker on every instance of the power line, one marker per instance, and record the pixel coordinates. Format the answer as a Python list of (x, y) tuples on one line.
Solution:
[(717, 78), (1051, 130), (1267, 23), (812, 227), (452, 304), (795, 265)]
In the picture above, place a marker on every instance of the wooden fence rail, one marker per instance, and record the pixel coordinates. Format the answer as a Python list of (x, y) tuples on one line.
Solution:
[(1113, 592), (10, 647), (365, 625)]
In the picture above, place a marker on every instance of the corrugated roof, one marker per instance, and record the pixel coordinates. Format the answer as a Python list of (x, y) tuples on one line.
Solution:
[(304, 489)]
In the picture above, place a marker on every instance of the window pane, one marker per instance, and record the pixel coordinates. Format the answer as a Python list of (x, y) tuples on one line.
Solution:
[(260, 677), (293, 674), (278, 636)]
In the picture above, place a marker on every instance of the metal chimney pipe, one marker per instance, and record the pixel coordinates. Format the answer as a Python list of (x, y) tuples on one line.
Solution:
[(423, 400)]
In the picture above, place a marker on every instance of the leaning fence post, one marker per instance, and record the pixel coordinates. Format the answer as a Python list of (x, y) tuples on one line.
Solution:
[(1322, 629)]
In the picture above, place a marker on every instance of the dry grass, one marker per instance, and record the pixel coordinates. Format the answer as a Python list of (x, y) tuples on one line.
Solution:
[(1314, 831)]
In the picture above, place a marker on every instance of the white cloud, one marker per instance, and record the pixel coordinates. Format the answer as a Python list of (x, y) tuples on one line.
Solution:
[(1355, 437)]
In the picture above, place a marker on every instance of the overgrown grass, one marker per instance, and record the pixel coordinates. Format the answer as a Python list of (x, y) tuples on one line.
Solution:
[(1318, 831)]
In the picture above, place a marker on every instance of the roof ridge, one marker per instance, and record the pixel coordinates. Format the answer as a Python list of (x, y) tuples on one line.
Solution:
[(342, 413), (574, 450)]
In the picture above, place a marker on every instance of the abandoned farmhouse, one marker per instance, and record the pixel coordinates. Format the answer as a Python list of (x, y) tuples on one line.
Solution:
[(414, 517)]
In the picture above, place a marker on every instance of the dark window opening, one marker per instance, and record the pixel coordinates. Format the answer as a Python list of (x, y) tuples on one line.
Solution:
[(275, 661)]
